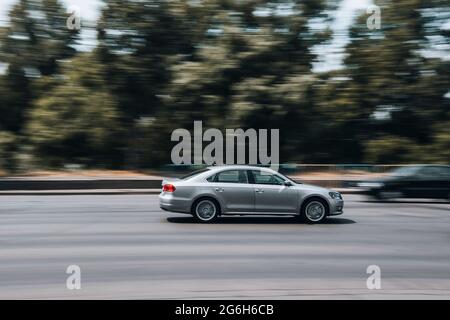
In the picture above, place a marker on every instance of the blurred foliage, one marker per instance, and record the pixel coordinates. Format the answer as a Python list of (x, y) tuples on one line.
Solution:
[(160, 65), (78, 119), (392, 149), (37, 37), (8, 146), (439, 150)]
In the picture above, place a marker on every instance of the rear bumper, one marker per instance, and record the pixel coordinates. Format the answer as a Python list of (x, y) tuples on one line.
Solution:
[(168, 202)]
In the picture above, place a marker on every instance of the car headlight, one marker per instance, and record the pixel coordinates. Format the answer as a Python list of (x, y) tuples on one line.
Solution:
[(370, 184), (335, 195)]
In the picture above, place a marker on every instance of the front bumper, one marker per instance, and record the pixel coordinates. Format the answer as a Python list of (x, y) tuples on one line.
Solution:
[(336, 207)]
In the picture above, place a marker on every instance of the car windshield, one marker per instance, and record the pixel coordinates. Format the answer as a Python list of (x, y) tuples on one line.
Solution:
[(405, 171), (194, 173)]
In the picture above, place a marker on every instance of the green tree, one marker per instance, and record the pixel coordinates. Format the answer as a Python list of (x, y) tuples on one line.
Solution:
[(8, 149), (78, 121), (389, 74), (15, 98), (37, 37), (253, 70), (31, 45), (392, 150), (138, 43)]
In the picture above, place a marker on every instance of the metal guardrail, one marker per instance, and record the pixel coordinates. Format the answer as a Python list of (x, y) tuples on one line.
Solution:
[(35, 185), (343, 176), (42, 185), (294, 168)]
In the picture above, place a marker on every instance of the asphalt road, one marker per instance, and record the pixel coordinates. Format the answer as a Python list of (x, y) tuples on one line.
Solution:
[(127, 247)]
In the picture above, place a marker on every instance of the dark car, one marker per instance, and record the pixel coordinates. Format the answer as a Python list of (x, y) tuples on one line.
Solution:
[(417, 181)]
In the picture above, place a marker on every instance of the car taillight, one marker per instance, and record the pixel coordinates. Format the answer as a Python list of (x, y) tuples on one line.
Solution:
[(169, 187)]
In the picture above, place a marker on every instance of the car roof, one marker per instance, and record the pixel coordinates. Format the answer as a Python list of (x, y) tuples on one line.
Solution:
[(238, 167)]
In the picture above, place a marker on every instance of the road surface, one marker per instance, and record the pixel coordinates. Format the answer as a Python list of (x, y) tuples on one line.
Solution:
[(127, 248)]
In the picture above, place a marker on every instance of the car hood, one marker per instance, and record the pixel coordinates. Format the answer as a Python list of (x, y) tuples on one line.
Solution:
[(311, 187), (378, 182), (384, 179)]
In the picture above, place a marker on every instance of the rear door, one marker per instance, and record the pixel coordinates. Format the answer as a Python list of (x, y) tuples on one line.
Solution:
[(234, 192), (271, 195)]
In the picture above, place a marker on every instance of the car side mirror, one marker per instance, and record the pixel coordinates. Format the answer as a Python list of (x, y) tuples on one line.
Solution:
[(288, 183)]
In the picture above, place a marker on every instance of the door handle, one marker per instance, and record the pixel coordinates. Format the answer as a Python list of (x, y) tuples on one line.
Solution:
[(259, 190), (219, 189)]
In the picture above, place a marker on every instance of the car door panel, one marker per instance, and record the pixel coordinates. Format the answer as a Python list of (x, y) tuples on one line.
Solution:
[(271, 195), (275, 198), (234, 196)]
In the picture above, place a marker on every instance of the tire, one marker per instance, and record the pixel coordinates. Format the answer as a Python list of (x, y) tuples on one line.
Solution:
[(314, 210), (205, 210)]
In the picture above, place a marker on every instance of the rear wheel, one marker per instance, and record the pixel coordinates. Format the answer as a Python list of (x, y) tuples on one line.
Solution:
[(205, 210), (314, 211)]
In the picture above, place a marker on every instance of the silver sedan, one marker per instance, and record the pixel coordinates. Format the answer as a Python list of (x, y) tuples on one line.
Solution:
[(247, 190)]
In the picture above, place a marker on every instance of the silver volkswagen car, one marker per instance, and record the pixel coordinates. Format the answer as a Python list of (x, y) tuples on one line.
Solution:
[(247, 190)]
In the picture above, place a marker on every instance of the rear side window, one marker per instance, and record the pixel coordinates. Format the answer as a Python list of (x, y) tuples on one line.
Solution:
[(192, 174), (447, 172), (231, 176)]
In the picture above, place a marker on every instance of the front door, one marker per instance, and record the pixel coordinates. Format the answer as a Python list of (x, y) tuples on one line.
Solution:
[(271, 195)]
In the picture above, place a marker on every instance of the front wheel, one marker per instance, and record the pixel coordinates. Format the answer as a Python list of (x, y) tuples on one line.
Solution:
[(314, 211), (205, 210)]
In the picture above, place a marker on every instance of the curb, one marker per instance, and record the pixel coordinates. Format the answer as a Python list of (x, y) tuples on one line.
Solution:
[(78, 192)]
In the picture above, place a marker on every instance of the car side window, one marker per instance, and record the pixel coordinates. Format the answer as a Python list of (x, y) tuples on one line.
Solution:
[(441, 172), (431, 172), (447, 172), (231, 176), (266, 178)]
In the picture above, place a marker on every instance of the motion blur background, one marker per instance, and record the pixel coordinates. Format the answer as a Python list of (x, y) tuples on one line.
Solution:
[(86, 117), (110, 94)]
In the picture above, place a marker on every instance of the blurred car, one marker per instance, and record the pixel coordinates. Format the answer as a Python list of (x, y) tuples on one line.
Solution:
[(417, 181), (246, 190)]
